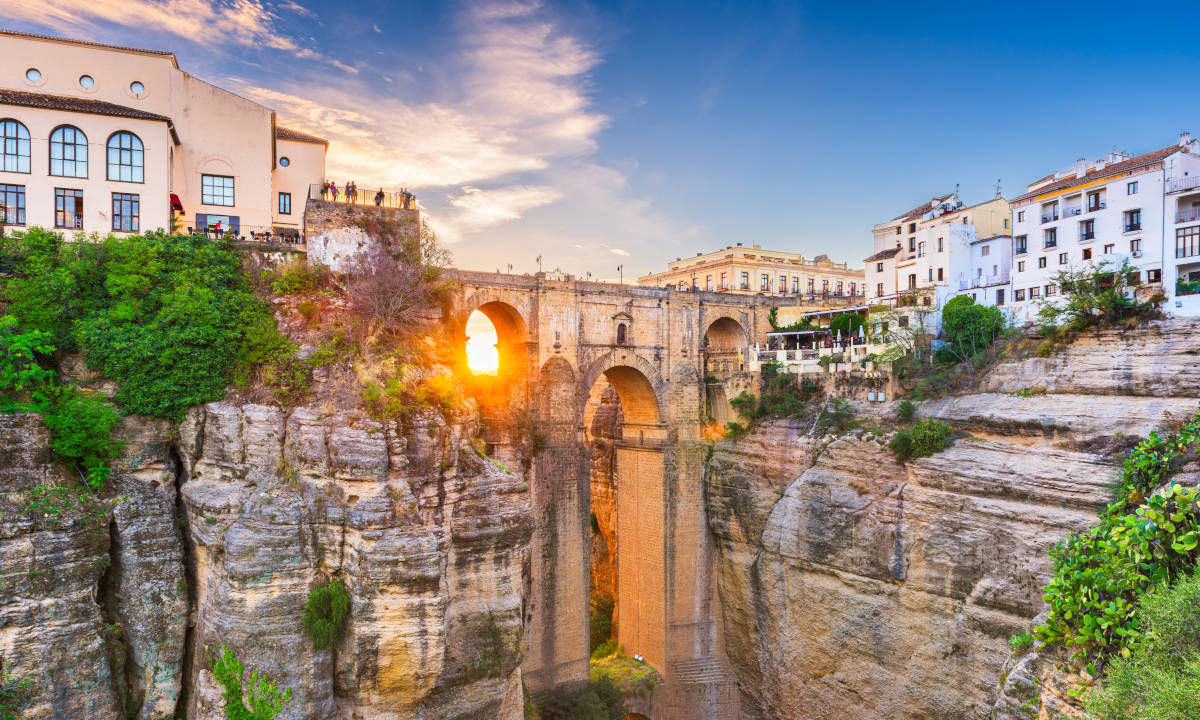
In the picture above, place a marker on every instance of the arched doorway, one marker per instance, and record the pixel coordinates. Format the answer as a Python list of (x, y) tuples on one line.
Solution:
[(725, 343)]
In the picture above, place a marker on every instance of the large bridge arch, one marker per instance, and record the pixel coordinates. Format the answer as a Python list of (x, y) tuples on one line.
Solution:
[(725, 344), (509, 316)]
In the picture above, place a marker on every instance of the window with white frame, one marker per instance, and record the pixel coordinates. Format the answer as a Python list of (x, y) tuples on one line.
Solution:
[(216, 190)]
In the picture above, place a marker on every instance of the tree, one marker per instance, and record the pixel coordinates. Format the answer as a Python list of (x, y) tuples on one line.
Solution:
[(1091, 297), (847, 323), (969, 328)]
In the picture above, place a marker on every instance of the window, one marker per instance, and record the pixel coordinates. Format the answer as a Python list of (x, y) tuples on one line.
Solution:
[(810, 286), (86, 82), (941, 244), (878, 267), (621, 333), (782, 283), (912, 227), (764, 282), (33, 75), (939, 273), (12, 197), (285, 208), (839, 289), (708, 283), (1093, 201), (824, 287), (1050, 238), (1131, 188), (15, 138), (1087, 230), (1042, 261), (1001, 291), (284, 161), (1134, 277), (1020, 216), (1153, 276), (745, 281), (125, 157), (68, 208), (795, 284), (899, 229), (853, 287), (1018, 295), (1021, 244), (1187, 242), (137, 88), (680, 286), (1021, 266), (1087, 253), (1135, 245), (1133, 220), (879, 290), (921, 249), (1000, 294), (1034, 292), (1051, 290), (216, 190), (1050, 212), (68, 152), (912, 281), (912, 244), (724, 280), (1108, 249), (985, 250), (1063, 258), (930, 274), (125, 212)]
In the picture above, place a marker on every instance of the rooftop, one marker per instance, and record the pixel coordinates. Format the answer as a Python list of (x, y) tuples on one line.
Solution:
[(88, 43), (1097, 173), (884, 254), (72, 104), (289, 134)]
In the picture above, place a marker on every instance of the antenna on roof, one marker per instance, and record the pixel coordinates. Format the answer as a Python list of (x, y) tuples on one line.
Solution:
[(998, 188)]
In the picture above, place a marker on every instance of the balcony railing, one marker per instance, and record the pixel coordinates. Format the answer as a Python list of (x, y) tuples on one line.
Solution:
[(1098, 206), (1049, 217), (1133, 227), (1186, 183), (1021, 250), (984, 281), (1191, 214), (1085, 235), (400, 199), (1049, 244), (1072, 211)]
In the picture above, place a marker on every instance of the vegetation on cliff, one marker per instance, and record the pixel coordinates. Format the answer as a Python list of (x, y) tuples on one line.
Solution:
[(258, 699)]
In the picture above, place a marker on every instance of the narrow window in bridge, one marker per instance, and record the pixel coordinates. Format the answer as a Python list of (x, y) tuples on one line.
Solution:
[(483, 357), (621, 339)]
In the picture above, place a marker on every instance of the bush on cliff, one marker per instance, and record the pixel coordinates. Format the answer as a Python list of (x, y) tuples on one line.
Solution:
[(1094, 296), (260, 699), (600, 699), (1160, 679), (325, 614), (922, 440)]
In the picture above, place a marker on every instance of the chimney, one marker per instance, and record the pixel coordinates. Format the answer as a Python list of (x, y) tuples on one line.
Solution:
[(1081, 167), (739, 244), (1185, 137)]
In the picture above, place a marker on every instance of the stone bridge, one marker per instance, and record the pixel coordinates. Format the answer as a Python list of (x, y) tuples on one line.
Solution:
[(562, 342)]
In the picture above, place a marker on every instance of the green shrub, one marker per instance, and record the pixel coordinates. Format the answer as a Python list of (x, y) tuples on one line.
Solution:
[(297, 276), (906, 410), (745, 404), (1160, 678), (81, 426), (23, 379), (598, 700), (922, 440), (600, 619), (1093, 296), (1045, 349), (261, 700), (836, 416), (604, 649), (1020, 642), (734, 431), (325, 614), (969, 328), (14, 693)]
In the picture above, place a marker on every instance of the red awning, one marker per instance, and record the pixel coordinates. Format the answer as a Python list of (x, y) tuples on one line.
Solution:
[(176, 203)]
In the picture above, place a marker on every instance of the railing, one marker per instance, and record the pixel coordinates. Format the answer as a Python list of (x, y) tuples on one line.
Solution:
[(1099, 206), (1191, 214), (253, 233), (1187, 183), (1085, 235), (1049, 217), (1072, 211), (400, 199), (1132, 227), (1021, 250), (1049, 244)]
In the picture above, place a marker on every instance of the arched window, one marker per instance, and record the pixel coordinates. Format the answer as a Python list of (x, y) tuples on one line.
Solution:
[(68, 152), (15, 138), (621, 334), (125, 157)]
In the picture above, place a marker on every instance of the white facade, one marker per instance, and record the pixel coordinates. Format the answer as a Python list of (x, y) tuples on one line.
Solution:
[(213, 152), (980, 268), (1181, 237), (1108, 210)]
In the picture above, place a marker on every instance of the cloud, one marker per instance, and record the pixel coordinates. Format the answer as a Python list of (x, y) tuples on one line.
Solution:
[(478, 209), (376, 28), (619, 251)]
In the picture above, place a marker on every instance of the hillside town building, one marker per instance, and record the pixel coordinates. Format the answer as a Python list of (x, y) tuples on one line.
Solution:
[(101, 138), (940, 249), (753, 270), (1141, 209)]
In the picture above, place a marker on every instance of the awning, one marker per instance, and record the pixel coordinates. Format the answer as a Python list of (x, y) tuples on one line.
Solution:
[(176, 203)]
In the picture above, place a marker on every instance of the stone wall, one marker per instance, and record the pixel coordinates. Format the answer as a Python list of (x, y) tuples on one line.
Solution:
[(335, 232)]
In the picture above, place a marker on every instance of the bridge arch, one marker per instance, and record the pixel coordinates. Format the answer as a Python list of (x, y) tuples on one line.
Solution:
[(636, 381), (725, 333), (512, 329)]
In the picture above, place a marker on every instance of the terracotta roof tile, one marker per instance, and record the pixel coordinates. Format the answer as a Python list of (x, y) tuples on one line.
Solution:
[(289, 134), (73, 104), (883, 255), (56, 38), (1107, 171)]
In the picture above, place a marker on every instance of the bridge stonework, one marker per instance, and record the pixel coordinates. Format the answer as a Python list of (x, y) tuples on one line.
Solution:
[(559, 337)]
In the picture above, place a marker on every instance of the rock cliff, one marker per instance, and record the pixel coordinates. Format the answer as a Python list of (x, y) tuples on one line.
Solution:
[(855, 586), (214, 536)]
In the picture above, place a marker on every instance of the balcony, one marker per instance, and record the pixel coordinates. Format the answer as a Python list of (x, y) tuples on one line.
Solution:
[(1049, 217), (396, 199), (1187, 215), (1072, 211), (1132, 227), (1021, 250), (1049, 244), (1181, 184), (1086, 235), (1098, 206)]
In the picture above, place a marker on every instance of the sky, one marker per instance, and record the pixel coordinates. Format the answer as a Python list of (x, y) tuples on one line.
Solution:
[(598, 135)]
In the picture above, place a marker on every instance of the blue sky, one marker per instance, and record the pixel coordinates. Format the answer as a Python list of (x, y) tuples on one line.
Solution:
[(598, 134)]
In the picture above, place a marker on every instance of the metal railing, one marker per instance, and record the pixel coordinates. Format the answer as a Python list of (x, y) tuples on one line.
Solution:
[(1191, 214), (252, 233), (1049, 217), (1085, 235), (1186, 183), (399, 199), (1072, 211)]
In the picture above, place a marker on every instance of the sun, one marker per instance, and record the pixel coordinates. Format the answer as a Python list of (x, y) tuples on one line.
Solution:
[(483, 358)]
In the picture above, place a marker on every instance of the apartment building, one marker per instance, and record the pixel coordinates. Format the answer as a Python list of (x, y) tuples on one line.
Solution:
[(939, 249), (753, 270), (1119, 207), (102, 138)]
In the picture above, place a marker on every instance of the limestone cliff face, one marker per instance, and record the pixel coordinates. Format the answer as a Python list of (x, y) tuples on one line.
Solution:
[(855, 586), (215, 538)]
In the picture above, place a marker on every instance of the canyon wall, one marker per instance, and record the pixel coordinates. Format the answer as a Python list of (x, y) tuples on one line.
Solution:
[(214, 536), (856, 586)]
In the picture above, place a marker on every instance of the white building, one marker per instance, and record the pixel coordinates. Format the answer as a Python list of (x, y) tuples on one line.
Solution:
[(1181, 237), (112, 139), (980, 268), (1112, 209)]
